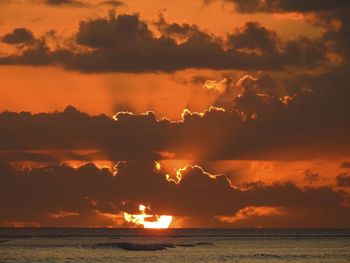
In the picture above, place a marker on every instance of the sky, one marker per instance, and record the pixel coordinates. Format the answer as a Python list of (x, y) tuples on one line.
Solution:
[(220, 113)]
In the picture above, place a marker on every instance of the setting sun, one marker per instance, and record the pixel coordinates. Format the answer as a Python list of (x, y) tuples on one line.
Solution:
[(162, 221)]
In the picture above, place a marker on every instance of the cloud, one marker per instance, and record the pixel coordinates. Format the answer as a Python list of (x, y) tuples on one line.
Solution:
[(36, 53), (72, 3), (259, 124), (26, 156), (175, 30), (87, 191), (131, 137), (276, 6), (49, 156), (254, 36), (114, 3), (333, 16), (311, 176), (343, 180), (125, 43), (263, 114), (250, 211), (345, 165), (62, 214), (305, 52), (117, 31), (18, 36)]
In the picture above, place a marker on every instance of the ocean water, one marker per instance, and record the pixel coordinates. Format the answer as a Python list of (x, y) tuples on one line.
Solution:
[(174, 245)]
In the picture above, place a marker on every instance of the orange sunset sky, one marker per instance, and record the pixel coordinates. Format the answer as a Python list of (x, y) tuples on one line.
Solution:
[(221, 113)]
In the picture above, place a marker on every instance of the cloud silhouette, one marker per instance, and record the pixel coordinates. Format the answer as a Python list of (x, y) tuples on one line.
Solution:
[(70, 3), (313, 122), (58, 194), (18, 36), (276, 6), (125, 43), (343, 180), (114, 3), (345, 165)]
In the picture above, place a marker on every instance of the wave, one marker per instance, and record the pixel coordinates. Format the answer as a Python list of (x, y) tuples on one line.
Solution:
[(146, 246)]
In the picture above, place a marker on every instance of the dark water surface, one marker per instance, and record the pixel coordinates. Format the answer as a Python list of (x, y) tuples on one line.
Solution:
[(173, 245)]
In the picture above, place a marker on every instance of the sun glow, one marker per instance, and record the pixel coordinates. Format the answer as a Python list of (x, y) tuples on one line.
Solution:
[(162, 221)]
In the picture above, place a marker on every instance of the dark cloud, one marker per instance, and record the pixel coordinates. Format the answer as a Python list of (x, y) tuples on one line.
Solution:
[(73, 3), (313, 121), (66, 188), (37, 54), (118, 31), (345, 165), (175, 30), (32, 51), (77, 192), (114, 3), (339, 39), (125, 43), (307, 116), (38, 125), (26, 156), (262, 122), (253, 6), (324, 13), (132, 136), (305, 52), (343, 180), (254, 36), (199, 79), (257, 39), (311, 176), (47, 157), (18, 36)]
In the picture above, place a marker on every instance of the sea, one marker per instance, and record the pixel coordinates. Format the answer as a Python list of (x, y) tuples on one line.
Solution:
[(174, 245)]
